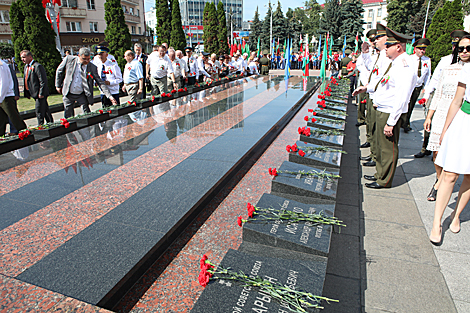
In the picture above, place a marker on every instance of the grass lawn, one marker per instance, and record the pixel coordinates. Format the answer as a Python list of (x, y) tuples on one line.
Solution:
[(25, 104)]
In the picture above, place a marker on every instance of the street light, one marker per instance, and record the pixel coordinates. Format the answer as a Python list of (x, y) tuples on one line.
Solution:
[(231, 26), (271, 35)]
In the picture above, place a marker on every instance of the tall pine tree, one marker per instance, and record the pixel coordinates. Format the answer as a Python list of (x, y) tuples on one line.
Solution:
[(399, 13), (279, 24), (265, 34), (294, 28), (162, 11), (352, 11), (116, 32), (177, 36), (222, 29), (41, 38), (210, 23), (447, 19), (256, 30), (331, 19), (310, 17), (18, 37)]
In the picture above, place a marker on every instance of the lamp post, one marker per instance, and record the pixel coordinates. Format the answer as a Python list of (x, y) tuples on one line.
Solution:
[(271, 30)]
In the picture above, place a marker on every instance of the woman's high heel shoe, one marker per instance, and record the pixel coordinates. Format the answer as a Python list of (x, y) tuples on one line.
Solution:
[(437, 242)]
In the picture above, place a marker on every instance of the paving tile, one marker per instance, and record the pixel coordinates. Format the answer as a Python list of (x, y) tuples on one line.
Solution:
[(394, 209), (344, 257), (456, 270), (346, 290), (462, 306)]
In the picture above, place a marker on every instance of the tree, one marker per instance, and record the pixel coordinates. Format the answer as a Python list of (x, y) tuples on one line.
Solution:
[(222, 32), (163, 28), (294, 28), (7, 51), (352, 11), (279, 24), (41, 38), (211, 25), (399, 13), (256, 30), (177, 36), (116, 33), (416, 22), (330, 20), (266, 33), (18, 36), (447, 19)]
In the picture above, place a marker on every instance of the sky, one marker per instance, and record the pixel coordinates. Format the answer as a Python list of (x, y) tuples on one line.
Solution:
[(249, 6)]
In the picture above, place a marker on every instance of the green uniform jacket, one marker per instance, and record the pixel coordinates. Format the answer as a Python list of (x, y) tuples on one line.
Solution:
[(265, 63), (344, 65)]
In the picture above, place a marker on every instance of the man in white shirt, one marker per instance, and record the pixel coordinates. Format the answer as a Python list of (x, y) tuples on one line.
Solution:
[(392, 93), (216, 67), (178, 70), (8, 107), (142, 58), (103, 44), (200, 64), (184, 67), (253, 66), (159, 66), (110, 73), (133, 76), (193, 70)]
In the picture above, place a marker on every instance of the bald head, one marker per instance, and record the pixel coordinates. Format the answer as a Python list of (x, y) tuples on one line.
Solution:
[(179, 54)]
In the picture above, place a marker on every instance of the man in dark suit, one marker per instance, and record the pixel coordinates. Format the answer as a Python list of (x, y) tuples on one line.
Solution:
[(74, 80), (142, 58), (35, 86)]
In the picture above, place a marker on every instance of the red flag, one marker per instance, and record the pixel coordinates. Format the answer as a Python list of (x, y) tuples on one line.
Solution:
[(301, 50), (44, 3), (56, 2), (58, 22)]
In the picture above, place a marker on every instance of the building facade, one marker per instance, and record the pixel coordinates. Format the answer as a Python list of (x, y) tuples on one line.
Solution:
[(375, 11), (82, 22)]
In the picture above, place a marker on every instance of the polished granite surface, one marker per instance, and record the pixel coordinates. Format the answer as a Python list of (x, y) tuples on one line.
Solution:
[(78, 211)]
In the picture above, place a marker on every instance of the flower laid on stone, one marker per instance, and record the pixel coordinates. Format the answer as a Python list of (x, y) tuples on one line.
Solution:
[(311, 150), (292, 148), (311, 173), (304, 131), (313, 120), (328, 132), (131, 103), (24, 134), (294, 300), (301, 153), (64, 122), (173, 91), (326, 120), (272, 172), (333, 112), (101, 111), (310, 110)]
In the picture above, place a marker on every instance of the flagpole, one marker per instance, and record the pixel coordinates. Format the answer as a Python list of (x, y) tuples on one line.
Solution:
[(426, 20)]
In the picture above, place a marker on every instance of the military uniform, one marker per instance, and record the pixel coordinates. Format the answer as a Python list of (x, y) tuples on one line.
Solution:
[(344, 63), (265, 64), (392, 93)]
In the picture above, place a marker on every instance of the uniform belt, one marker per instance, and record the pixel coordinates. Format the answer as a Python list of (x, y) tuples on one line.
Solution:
[(465, 107), (264, 65)]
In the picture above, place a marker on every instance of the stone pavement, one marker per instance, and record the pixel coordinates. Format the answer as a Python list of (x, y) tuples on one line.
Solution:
[(402, 270)]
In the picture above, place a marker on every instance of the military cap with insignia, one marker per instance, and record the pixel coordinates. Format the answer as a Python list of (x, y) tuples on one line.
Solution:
[(422, 43), (394, 37), (205, 54), (101, 49), (457, 34), (381, 30), (188, 48), (347, 51), (265, 52), (371, 34)]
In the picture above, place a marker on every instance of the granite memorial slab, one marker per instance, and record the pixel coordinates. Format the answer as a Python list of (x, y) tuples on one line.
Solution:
[(323, 139), (327, 123), (54, 131), (15, 144), (331, 106), (224, 295), (305, 185), (316, 155), (91, 119), (302, 236), (331, 114)]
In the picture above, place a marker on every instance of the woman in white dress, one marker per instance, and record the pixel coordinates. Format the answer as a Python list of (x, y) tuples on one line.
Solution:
[(445, 92), (454, 152)]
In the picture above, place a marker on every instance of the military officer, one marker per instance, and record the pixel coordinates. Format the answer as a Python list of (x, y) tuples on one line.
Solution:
[(392, 93), (423, 71), (265, 63), (344, 63), (432, 84)]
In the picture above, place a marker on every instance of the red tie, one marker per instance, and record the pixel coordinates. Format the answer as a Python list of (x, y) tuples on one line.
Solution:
[(26, 79)]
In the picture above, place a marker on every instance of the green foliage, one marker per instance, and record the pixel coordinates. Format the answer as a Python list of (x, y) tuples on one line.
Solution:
[(18, 36), (416, 22), (177, 36), (400, 12), (7, 50), (40, 38), (294, 28), (352, 11), (222, 29), (163, 28), (117, 32), (447, 19), (331, 19), (256, 30), (266, 29), (279, 23), (211, 26)]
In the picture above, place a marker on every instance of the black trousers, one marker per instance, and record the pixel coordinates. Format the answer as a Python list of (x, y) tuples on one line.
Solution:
[(42, 111), (8, 109), (191, 80), (411, 105)]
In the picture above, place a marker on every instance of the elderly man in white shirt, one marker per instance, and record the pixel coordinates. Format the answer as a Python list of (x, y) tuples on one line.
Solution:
[(178, 70), (184, 67), (8, 108), (253, 66), (110, 73), (159, 66), (216, 67), (193, 70), (200, 65)]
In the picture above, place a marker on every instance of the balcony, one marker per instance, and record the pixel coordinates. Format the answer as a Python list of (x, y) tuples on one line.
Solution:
[(6, 2), (5, 29), (72, 12), (131, 2), (131, 18)]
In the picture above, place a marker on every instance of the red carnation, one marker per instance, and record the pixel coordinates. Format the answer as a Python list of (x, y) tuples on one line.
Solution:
[(203, 278), (109, 111), (240, 221), (321, 108), (314, 113), (185, 89), (288, 148), (301, 153), (314, 120), (306, 118), (173, 91), (294, 147), (422, 101), (203, 260), (129, 102), (153, 98), (310, 110), (163, 94)]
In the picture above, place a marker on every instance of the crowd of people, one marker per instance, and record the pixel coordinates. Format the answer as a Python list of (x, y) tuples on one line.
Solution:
[(391, 82), (161, 71)]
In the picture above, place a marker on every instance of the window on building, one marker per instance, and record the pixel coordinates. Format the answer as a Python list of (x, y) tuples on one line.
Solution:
[(93, 27), (70, 3), (371, 13), (4, 17), (379, 12), (90, 4), (137, 13), (133, 30), (124, 8), (140, 30), (131, 11), (73, 27)]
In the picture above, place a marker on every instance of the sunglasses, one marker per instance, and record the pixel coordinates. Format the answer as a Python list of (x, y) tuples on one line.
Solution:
[(462, 48)]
